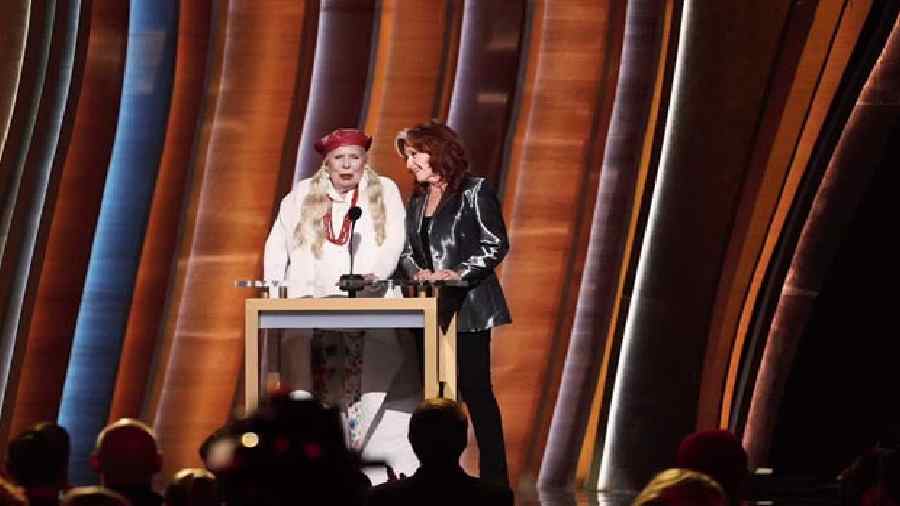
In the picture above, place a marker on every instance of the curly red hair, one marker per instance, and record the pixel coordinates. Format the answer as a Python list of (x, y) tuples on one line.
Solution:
[(445, 148)]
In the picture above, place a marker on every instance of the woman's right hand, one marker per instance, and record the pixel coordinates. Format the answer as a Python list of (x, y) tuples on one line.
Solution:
[(423, 275)]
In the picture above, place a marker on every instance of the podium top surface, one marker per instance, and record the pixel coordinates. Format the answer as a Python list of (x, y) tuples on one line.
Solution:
[(342, 312), (381, 283), (362, 304)]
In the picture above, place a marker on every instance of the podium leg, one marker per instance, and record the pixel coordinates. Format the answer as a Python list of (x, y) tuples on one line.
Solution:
[(251, 359), (447, 358), (430, 336)]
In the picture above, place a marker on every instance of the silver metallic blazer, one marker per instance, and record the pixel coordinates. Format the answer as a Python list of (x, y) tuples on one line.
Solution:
[(467, 234)]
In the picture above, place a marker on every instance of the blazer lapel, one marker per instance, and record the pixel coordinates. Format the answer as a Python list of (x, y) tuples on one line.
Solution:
[(448, 201), (417, 209), (449, 204)]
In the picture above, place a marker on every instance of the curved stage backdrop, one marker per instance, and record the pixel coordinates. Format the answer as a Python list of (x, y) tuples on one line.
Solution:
[(680, 180)]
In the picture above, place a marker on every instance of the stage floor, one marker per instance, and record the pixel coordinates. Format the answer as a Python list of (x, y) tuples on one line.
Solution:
[(582, 498)]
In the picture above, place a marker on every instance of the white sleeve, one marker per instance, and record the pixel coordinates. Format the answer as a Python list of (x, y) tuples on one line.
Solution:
[(277, 250), (394, 230)]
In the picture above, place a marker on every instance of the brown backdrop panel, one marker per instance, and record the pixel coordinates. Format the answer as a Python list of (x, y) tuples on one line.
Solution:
[(17, 193), (408, 75), (340, 75), (70, 213), (666, 20), (643, 81), (596, 183), (152, 281), (230, 206), (838, 54), (21, 73), (24, 39), (547, 199), (726, 58), (803, 50), (485, 84), (452, 37), (13, 32), (860, 151)]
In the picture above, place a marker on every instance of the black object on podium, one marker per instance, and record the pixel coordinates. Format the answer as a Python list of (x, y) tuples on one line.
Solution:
[(352, 283)]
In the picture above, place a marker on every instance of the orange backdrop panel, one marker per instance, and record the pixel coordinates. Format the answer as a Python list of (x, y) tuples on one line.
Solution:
[(71, 214), (408, 77), (152, 283), (238, 167), (559, 102)]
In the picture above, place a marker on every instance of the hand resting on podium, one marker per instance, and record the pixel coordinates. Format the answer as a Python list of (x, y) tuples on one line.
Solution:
[(439, 275), (367, 285)]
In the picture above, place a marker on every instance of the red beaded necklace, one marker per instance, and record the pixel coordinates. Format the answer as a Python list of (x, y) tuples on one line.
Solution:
[(345, 228)]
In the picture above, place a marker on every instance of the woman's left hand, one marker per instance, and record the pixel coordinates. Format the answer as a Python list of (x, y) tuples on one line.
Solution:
[(446, 275)]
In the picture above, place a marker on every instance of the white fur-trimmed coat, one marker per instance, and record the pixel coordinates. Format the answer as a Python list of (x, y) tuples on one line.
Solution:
[(309, 275), (390, 384)]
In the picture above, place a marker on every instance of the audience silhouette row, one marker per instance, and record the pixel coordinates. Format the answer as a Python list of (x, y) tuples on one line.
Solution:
[(294, 452), (289, 452)]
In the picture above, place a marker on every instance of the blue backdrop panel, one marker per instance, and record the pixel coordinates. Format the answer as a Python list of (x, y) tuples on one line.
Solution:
[(102, 317)]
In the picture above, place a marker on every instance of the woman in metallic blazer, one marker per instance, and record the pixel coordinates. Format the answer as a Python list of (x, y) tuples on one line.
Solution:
[(455, 231)]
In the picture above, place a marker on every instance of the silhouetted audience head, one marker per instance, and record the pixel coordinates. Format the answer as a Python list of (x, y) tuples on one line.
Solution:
[(681, 487), (39, 458), (289, 452), (192, 487), (719, 454), (126, 454), (872, 479), (437, 432), (93, 496)]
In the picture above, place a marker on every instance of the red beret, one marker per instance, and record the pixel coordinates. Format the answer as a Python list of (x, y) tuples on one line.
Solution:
[(717, 453), (342, 137)]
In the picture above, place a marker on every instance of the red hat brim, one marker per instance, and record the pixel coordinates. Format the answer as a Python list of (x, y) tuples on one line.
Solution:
[(342, 137)]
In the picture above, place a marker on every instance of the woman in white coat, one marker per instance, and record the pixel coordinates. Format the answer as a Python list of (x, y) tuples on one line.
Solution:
[(309, 247)]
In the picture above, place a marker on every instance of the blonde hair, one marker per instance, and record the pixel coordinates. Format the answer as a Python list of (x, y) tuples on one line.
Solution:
[(316, 204), (697, 485)]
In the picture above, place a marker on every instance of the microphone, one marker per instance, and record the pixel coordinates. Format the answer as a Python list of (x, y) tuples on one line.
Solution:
[(352, 283), (354, 213)]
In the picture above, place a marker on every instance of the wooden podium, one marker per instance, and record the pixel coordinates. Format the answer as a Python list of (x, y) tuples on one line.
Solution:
[(364, 313)]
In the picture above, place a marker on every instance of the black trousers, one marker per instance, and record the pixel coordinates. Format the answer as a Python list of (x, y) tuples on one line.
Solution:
[(473, 359), (473, 363)]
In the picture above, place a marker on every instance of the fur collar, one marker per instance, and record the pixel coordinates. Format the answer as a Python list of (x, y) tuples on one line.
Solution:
[(317, 202)]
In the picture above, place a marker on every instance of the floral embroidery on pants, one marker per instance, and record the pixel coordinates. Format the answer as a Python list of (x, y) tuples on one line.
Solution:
[(337, 377)]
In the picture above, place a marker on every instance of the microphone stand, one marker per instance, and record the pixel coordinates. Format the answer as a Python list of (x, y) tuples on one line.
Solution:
[(352, 283)]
